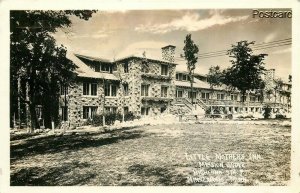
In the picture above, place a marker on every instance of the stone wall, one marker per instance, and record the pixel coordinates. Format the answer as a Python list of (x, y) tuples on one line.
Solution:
[(76, 100), (135, 79)]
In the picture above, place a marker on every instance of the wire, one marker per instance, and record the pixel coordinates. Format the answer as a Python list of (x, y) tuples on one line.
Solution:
[(260, 46), (256, 45)]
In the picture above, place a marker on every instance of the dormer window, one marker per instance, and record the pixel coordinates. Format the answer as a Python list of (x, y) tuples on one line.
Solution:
[(97, 68), (182, 77), (105, 67)]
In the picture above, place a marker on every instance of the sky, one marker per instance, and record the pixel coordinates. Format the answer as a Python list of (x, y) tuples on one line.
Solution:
[(116, 34)]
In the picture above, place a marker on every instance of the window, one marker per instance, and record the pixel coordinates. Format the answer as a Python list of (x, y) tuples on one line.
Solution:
[(126, 110), (243, 97), (90, 89), (97, 68), (63, 90), (179, 94), (205, 95), (164, 91), (125, 66), (234, 97), (125, 86), (145, 90), (111, 109), (164, 69), (145, 110), (94, 89), (190, 94), (89, 112), (179, 76), (64, 113), (105, 67), (220, 96), (252, 98), (184, 77), (86, 88), (110, 90), (259, 98)]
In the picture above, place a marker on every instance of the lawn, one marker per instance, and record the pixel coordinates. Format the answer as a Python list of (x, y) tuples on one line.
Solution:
[(155, 155)]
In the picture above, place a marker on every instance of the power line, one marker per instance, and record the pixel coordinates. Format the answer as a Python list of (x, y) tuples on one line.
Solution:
[(256, 45), (260, 46)]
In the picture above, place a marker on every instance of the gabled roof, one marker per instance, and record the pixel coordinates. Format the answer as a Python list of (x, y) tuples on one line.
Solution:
[(197, 84), (84, 71), (168, 46), (93, 58)]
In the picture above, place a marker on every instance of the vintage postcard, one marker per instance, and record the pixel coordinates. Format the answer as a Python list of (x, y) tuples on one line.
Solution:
[(142, 94)]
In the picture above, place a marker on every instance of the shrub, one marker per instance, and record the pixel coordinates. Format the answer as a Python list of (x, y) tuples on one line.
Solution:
[(98, 120), (88, 122), (267, 111), (280, 116), (249, 116), (129, 116), (110, 118), (207, 110)]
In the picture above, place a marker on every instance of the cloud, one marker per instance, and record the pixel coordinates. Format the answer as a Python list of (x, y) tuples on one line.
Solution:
[(91, 35), (152, 49), (101, 34), (270, 37), (283, 51), (190, 22)]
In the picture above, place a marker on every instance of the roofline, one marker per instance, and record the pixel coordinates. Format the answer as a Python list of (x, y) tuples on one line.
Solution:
[(197, 74), (168, 46), (142, 58)]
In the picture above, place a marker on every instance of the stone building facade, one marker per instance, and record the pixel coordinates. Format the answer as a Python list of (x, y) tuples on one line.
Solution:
[(149, 87)]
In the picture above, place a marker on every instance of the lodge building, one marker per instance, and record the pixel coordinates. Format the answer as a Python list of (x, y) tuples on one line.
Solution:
[(149, 87)]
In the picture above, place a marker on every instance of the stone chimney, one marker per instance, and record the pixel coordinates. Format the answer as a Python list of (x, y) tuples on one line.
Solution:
[(168, 53)]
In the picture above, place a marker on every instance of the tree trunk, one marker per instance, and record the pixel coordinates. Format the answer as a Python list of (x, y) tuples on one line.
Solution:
[(32, 99), (33, 118)]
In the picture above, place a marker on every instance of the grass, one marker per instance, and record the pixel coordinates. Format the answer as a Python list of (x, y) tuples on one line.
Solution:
[(150, 155)]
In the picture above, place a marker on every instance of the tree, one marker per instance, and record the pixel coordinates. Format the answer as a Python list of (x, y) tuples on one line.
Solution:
[(214, 76), (278, 87), (38, 61), (290, 78), (190, 54), (246, 71)]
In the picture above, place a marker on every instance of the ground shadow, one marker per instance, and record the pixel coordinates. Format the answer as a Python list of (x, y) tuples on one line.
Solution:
[(55, 176), (55, 144), (161, 176)]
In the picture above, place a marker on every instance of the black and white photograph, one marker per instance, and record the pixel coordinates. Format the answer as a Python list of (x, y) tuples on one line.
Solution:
[(151, 97)]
